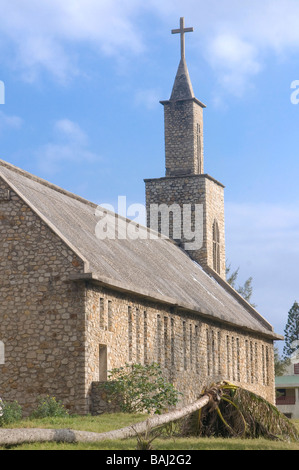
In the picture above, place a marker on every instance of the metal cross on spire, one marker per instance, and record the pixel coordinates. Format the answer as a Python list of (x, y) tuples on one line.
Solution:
[(182, 32)]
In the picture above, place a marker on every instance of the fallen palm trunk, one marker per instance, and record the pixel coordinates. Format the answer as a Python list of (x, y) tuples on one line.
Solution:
[(19, 436)]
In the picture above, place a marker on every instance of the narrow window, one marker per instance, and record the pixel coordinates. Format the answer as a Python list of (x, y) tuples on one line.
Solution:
[(145, 336), (267, 366), (166, 345), (2, 353), (172, 342), (159, 339), (219, 352), (251, 363), (208, 353), (213, 352), (196, 348), (216, 247), (110, 315), (191, 346), (103, 363), (228, 359), (238, 359), (184, 345), (233, 358), (137, 336), (263, 364), (255, 363), (247, 361), (199, 161), (102, 313), (130, 333)]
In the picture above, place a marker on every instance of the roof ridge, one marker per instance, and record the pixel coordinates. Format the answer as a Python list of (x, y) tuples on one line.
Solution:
[(74, 196), (46, 183)]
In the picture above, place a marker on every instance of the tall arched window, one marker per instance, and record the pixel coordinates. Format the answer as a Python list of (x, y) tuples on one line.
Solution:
[(2, 355), (216, 247)]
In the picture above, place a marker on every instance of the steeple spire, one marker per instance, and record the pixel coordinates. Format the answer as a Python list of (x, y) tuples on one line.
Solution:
[(183, 114), (182, 88)]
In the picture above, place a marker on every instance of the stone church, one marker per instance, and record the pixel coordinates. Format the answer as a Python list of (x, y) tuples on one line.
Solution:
[(74, 305)]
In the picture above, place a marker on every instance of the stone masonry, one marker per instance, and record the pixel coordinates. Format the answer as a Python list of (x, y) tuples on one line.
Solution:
[(42, 316), (192, 190), (183, 120), (192, 351)]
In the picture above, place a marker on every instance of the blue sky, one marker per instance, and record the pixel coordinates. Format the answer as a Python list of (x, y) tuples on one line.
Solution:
[(83, 80)]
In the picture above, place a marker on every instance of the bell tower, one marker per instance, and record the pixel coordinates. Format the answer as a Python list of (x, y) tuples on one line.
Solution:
[(190, 200)]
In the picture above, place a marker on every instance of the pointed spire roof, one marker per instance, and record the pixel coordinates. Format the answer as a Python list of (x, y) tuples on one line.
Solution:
[(182, 88)]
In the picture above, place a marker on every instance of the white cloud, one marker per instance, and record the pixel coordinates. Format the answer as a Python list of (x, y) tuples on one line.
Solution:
[(234, 37), (236, 59), (43, 32), (70, 144), (7, 121), (70, 130)]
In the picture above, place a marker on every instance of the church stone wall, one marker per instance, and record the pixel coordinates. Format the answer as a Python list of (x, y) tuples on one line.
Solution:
[(61, 337), (41, 314), (192, 351)]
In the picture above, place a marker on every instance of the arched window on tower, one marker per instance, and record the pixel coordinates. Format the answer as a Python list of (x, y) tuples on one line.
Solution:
[(216, 247)]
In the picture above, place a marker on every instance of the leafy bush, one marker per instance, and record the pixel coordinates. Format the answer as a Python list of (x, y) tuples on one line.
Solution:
[(10, 412), (49, 407), (139, 388)]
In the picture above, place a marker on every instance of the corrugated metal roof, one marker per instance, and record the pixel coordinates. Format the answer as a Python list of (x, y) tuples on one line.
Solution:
[(287, 380), (156, 268)]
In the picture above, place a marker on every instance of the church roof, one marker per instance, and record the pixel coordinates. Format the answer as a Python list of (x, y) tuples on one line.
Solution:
[(156, 269)]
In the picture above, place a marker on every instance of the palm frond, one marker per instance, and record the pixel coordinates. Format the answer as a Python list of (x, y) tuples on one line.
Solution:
[(236, 411)]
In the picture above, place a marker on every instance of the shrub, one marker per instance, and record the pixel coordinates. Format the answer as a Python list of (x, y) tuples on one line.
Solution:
[(49, 407), (141, 388), (10, 412)]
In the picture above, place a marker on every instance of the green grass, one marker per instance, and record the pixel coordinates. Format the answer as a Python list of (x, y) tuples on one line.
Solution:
[(109, 422), (102, 423)]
